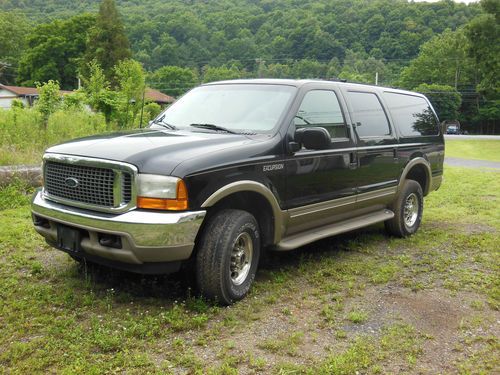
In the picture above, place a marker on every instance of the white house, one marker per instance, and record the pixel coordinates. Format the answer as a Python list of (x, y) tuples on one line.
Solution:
[(25, 94)]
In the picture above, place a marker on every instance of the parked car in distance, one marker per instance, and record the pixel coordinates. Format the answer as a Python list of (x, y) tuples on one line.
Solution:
[(236, 168)]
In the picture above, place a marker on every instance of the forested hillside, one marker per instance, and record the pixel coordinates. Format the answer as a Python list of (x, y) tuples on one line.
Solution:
[(449, 51), (196, 33)]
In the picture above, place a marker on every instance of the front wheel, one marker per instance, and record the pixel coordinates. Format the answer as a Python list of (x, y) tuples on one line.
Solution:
[(408, 208), (228, 255)]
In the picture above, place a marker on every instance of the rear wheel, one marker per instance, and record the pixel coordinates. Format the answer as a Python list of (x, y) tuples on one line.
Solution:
[(228, 255), (408, 209)]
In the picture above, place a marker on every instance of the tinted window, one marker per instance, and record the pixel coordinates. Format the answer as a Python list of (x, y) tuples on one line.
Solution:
[(321, 108), (368, 115), (412, 115)]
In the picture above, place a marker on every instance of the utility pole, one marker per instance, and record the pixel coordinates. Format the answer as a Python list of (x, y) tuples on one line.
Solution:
[(142, 106), (376, 78)]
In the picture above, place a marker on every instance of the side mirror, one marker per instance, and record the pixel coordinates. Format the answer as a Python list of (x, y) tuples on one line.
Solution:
[(313, 138)]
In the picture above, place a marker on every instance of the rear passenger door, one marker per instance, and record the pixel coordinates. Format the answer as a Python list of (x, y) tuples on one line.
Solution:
[(376, 144)]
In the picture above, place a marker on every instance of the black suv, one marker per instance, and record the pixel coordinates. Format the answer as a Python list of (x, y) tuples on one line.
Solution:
[(236, 167)]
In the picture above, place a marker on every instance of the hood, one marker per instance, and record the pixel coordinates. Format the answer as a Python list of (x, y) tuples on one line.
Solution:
[(152, 151)]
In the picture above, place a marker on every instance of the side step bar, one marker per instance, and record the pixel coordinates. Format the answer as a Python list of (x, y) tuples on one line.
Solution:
[(300, 239)]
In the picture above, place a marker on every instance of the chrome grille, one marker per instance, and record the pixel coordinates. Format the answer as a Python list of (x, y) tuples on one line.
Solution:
[(94, 185)]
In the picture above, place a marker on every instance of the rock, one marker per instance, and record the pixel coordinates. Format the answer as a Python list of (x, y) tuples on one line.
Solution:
[(30, 174)]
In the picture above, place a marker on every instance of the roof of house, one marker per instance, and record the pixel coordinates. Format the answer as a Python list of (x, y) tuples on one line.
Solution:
[(22, 91), (157, 96), (151, 94)]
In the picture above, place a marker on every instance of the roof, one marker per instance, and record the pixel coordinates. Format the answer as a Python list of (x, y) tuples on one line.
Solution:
[(157, 96), (301, 82), (23, 91), (18, 90)]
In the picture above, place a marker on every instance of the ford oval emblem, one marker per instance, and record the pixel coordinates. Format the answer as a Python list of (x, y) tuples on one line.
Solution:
[(71, 182)]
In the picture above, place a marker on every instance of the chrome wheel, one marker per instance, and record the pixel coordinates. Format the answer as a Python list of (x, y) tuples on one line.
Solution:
[(241, 258), (410, 211)]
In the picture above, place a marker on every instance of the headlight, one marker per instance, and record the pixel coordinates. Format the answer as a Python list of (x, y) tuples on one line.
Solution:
[(161, 192)]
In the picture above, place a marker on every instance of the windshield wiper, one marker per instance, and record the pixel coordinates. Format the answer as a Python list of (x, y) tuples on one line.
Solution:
[(213, 127), (159, 121)]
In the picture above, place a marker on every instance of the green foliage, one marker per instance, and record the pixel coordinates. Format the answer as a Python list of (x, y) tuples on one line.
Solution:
[(49, 99), (443, 60), (173, 80), (54, 51), (96, 89), (484, 35), (151, 110), (23, 137), (13, 29), (445, 100), (107, 42), (16, 194), (221, 73), (130, 78), (198, 33)]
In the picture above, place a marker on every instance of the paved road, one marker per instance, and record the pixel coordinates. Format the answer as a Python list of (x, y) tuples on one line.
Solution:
[(469, 163), (450, 137)]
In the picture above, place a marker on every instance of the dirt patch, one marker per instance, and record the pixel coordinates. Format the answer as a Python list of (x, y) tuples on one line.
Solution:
[(434, 313)]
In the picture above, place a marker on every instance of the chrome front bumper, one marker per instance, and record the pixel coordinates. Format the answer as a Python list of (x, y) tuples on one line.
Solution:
[(145, 236)]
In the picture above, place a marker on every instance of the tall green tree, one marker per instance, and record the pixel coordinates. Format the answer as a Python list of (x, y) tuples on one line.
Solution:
[(131, 84), (484, 47), (54, 51), (443, 60), (107, 42), (13, 30)]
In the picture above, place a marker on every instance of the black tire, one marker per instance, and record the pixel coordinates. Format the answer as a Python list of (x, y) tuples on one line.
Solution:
[(220, 257), (400, 226)]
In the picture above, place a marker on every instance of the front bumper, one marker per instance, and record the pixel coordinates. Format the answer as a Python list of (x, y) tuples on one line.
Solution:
[(145, 237)]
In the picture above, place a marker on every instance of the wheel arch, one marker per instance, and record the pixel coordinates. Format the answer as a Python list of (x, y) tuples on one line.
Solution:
[(255, 198), (418, 169)]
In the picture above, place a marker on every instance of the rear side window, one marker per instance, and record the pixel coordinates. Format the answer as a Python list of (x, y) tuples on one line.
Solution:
[(412, 114), (368, 114), (321, 108)]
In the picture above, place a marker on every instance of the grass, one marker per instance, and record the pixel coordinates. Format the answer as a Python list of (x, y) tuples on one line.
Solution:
[(23, 137), (317, 310), (484, 149)]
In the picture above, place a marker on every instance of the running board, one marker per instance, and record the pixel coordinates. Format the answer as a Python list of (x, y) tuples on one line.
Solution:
[(300, 239)]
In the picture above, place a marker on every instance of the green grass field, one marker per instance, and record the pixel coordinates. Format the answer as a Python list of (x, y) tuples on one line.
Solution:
[(358, 302), (484, 149)]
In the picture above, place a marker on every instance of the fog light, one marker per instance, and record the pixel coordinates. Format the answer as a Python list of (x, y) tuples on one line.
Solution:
[(110, 240)]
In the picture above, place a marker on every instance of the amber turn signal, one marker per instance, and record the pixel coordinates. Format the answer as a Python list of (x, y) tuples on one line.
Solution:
[(178, 204)]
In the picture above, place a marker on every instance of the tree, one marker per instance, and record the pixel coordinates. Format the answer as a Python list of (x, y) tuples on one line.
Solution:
[(173, 80), (13, 30), (54, 52), (445, 100), (442, 60), (49, 99), (107, 42), (220, 73), (98, 94), (131, 83), (484, 47)]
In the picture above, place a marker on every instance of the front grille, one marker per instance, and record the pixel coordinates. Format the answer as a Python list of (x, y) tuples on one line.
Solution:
[(94, 185)]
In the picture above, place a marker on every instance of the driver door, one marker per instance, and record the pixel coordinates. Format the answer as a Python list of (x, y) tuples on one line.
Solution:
[(321, 183)]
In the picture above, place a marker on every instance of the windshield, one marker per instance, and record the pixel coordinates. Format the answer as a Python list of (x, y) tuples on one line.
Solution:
[(237, 107)]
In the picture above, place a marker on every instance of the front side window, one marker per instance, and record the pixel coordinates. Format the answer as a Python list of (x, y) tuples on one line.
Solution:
[(368, 114), (412, 115), (237, 107), (321, 108)]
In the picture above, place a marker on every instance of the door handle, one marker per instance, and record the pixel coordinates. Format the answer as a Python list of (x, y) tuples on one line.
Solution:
[(353, 160)]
